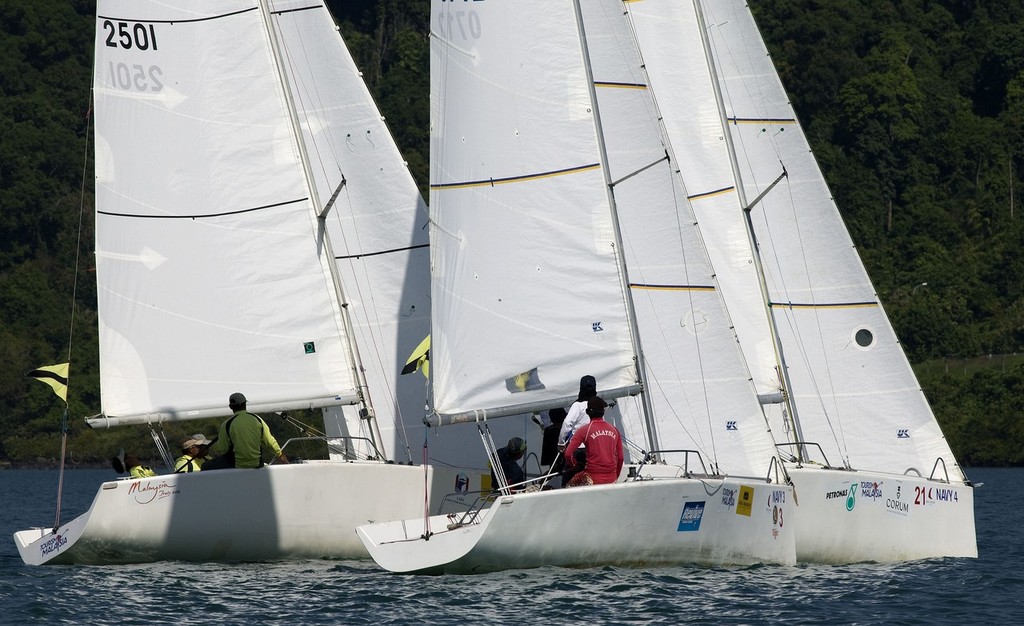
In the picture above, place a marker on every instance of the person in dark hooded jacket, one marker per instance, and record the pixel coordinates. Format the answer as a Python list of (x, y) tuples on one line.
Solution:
[(575, 419), (509, 458), (577, 414)]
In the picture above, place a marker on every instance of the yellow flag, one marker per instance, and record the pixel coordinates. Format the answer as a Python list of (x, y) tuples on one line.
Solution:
[(55, 376), (419, 359)]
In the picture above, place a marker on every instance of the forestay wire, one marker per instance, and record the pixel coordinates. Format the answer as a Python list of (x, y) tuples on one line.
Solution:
[(74, 294)]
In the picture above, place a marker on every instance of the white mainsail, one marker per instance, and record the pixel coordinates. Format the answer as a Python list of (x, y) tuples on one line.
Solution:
[(209, 275), (525, 286)]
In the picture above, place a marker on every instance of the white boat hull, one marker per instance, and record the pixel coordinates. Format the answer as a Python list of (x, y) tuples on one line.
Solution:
[(306, 510), (889, 518), (650, 522)]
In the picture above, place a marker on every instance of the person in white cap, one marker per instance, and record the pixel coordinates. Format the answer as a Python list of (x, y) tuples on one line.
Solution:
[(194, 449)]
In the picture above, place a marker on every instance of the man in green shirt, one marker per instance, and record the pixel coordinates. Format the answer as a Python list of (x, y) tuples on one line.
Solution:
[(242, 439)]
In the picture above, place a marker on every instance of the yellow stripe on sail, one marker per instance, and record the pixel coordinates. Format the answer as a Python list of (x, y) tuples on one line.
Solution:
[(56, 376)]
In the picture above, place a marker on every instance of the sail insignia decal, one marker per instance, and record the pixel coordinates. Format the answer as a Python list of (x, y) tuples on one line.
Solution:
[(526, 381)]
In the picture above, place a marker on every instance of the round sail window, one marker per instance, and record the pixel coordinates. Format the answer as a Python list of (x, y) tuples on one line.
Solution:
[(864, 338)]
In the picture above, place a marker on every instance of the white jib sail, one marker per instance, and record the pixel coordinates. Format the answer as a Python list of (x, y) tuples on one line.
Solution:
[(211, 277), (855, 393), (696, 378), (377, 219), (670, 40), (526, 287)]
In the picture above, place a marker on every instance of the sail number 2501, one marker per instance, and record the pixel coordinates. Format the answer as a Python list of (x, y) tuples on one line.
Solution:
[(128, 36)]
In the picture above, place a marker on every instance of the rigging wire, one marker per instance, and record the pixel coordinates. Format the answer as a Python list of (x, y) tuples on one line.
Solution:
[(74, 295)]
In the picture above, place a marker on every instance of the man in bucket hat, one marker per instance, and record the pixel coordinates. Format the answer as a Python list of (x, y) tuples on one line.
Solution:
[(194, 453)]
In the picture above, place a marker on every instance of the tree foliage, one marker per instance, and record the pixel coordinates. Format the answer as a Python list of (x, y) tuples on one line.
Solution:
[(914, 108)]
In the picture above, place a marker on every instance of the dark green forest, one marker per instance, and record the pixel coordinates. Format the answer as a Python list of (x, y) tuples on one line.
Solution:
[(915, 110)]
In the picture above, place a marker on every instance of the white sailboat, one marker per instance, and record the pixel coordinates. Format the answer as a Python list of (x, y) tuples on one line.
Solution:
[(562, 245), (875, 477), (256, 231)]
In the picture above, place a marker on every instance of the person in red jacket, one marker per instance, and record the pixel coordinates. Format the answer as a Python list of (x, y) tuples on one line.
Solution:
[(603, 445)]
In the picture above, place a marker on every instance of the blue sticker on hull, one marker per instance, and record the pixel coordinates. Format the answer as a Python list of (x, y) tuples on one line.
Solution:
[(690, 519)]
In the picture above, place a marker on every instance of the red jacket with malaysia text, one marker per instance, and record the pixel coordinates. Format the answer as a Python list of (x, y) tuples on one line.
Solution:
[(603, 444)]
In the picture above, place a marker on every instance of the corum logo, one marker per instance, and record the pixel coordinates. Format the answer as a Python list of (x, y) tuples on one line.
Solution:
[(903, 433), (731, 425)]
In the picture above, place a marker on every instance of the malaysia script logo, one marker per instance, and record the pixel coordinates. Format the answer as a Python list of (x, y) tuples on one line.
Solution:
[(903, 433), (147, 492), (731, 425)]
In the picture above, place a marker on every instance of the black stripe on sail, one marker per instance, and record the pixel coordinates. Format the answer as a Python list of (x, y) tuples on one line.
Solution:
[(198, 216), (41, 374), (198, 19), (762, 120), (490, 182), (379, 252), (309, 8)]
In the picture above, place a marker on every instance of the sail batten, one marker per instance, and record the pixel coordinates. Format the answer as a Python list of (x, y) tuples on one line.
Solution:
[(515, 179)]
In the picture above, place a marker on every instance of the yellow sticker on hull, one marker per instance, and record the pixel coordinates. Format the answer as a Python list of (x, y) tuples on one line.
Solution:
[(746, 499)]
